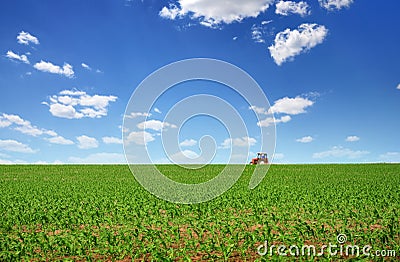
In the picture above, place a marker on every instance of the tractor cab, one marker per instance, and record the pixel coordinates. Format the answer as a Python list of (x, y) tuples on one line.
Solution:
[(262, 158)]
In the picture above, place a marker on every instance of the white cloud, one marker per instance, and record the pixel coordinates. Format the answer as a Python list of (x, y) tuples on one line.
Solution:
[(72, 93), (63, 111), (26, 38), (112, 140), (335, 4), (278, 156), (170, 12), (305, 139), (212, 13), (138, 114), (11, 162), (398, 86), (257, 34), (27, 128), (286, 105), (60, 140), (291, 106), (140, 138), (15, 119), (186, 157), (15, 146), (86, 66), (188, 142), (352, 138), (234, 38), (155, 125), (4, 123), (86, 142), (23, 126), (77, 104), (258, 110), (391, 157), (266, 22), (157, 110), (290, 7), (13, 56), (270, 120), (340, 152), (290, 43), (239, 142), (99, 158), (48, 67)]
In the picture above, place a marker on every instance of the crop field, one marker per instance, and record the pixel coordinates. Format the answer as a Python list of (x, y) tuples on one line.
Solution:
[(100, 212)]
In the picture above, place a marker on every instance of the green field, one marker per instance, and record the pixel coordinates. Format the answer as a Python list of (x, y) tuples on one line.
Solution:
[(95, 212)]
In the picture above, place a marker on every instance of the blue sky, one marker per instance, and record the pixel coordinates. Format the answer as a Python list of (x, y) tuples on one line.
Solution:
[(329, 68)]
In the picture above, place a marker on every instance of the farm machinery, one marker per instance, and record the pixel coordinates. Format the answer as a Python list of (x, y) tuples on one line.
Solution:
[(261, 159)]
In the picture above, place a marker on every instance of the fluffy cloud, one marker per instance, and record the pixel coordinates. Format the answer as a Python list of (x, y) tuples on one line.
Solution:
[(335, 4), (87, 142), (340, 152), (290, 43), (66, 70), (112, 140), (171, 12), (286, 105), (140, 138), (4, 123), (352, 138), (398, 86), (77, 104), (305, 139), (291, 106), (60, 140), (155, 125), (64, 111), (13, 56), (188, 142), (240, 142), (14, 119), (86, 66), (137, 114), (259, 110), (26, 38), (27, 128), (290, 7), (157, 110), (15, 146), (270, 120), (257, 34), (23, 126), (212, 13)]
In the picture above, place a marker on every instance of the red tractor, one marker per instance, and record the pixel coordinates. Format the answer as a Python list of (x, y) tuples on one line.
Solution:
[(261, 159)]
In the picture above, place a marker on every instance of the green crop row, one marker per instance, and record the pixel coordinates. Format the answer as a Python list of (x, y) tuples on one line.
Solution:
[(100, 212)]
